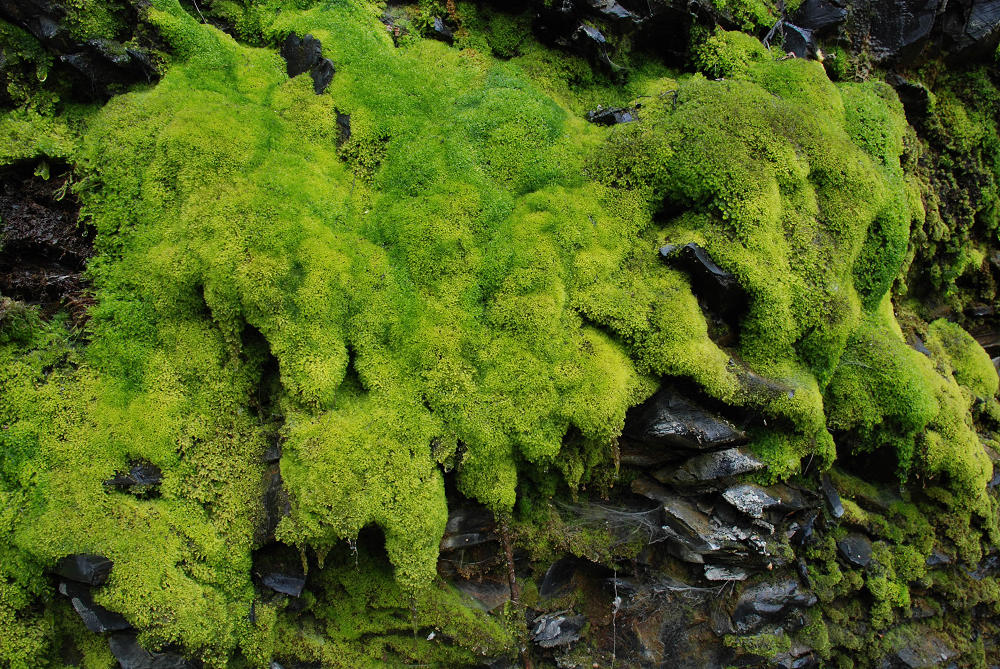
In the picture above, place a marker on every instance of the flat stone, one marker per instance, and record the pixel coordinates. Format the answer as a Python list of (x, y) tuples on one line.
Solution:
[(556, 629), (769, 601), (488, 596), (670, 420), (718, 288), (856, 549), (85, 568), (131, 655), (751, 499), (926, 650), (820, 15), (720, 573), (832, 497), (142, 479), (709, 468), (286, 584), (95, 617), (937, 558), (612, 115)]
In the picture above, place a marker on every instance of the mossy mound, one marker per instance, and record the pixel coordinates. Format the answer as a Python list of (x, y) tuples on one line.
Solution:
[(461, 282)]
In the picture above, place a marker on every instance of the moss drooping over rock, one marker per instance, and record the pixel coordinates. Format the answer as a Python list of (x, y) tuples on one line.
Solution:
[(467, 279)]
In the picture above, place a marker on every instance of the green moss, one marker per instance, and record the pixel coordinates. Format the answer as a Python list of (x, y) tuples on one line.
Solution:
[(963, 358)]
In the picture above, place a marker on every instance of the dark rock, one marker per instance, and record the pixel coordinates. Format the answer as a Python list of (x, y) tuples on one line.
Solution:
[(612, 115), (798, 41), (979, 311), (694, 536), (440, 30), (96, 618), (804, 533), (710, 468), (613, 10), (717, 288), (558, 579), (343, 128), (750, 499), (789, 498), (971, 25), (276, 503), (95, 68), (286, 584), (279, 568), (833, 503), (468, 527), (85, 568), (488, 596), (937, 558), (669, 420), (272, 453), (820, 15), (769, 601), (131, 655), (925, 650), (721, 573), (556, 629), (591, 34), (917, 344), (894, 29), (856, 549), (305, 54), (142, 479)]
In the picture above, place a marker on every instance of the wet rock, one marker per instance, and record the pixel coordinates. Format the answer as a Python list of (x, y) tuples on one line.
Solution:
[(798, 41), (305, 54), (131, 655), (279, 568), (789, 498), (286, 584), (799, 657), (343, 128), (717, 288), (769, 601), (94, 68), (856, 549), (142, 479), (488, 596), (750, 499), (973, 23), (832, 497), (556, 629), (96, 618), (669, 420), (917, 344), (85, 568), (612, 10), (439, 30), (820, 15), (558, 579), (468, 527), (937, 558), (895, 30), (721, 573), (612, 115), (710, 468), (804, 533), (925, 650), (276, 503)]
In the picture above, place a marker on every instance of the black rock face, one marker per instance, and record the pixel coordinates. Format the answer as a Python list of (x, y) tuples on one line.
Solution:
[(554, 630), (86, 568), (97, 68), (820, 15), (833, 503), (97, 618), (769, 601), (716, 288), (612, 115), (668, 420), (305, 54), (131, 655), (142, 479), (856, 549), (711, 468)]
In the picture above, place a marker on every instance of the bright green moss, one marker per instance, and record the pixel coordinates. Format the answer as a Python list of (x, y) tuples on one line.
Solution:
[(964, 357), (470, 282)]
